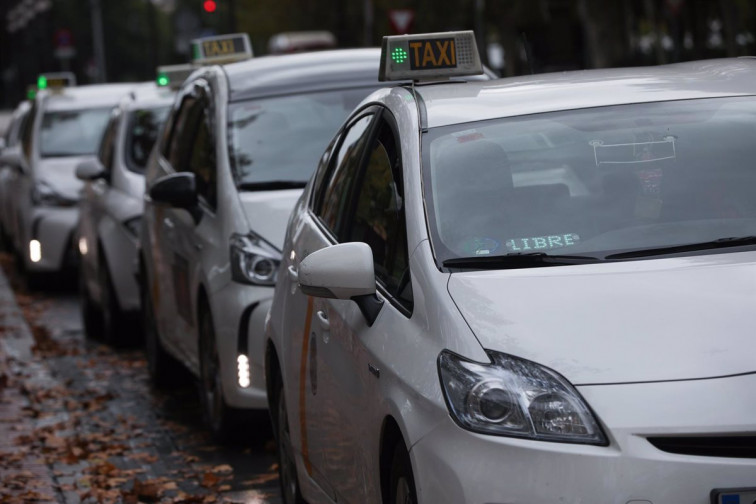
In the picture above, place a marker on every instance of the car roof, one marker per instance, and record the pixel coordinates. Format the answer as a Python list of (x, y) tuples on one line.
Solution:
[(147, 95), (453, 103), (294, 73), (82, 97)]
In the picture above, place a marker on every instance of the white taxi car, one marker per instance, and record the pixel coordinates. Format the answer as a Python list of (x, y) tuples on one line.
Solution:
[(532, 290), (64, 128), (111, 210), (238, 147), (11, 147)]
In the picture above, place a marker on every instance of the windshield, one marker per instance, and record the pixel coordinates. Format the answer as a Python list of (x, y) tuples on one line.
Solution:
[(144, 126), (72, 132), (594, 182), (276, 142)]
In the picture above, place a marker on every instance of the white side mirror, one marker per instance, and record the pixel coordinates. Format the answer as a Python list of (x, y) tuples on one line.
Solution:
[(343, 271)]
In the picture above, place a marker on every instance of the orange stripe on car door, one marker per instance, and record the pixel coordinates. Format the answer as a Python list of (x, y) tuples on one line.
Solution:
[(303, 385)]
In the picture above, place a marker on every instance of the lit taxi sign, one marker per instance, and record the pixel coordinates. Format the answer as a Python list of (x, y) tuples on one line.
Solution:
[(429, 56), (56, 80), (221, 49)]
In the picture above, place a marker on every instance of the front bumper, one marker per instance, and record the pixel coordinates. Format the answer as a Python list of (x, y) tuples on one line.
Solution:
[(53, 229), (452, 465), (239, 313)]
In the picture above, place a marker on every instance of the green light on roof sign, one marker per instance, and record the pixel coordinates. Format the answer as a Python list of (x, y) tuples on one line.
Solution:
[(42, 82), (399, 55), (163, 80)]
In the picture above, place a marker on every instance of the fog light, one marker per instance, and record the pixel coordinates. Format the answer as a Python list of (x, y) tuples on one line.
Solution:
[(35, 251), (83, 249), (242, 365)]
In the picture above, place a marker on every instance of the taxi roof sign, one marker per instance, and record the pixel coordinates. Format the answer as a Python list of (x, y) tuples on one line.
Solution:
[(221, 49), (56, 80), (172, 76), (429, 56)]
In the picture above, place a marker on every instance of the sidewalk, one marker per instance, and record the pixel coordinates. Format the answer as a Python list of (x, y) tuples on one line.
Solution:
[(24, 477)]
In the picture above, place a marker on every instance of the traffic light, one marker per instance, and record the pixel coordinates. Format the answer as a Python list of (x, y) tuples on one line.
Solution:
[(209, 5)]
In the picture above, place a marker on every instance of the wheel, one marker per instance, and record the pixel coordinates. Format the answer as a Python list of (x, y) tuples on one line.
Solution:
[(162, 368), (287, 467), (402, 489), (113, 320), (217, 413), (91, 316)]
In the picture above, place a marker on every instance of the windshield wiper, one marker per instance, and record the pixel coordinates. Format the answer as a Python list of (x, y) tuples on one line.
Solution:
[(518, 260), (271, 185), (735, 241)]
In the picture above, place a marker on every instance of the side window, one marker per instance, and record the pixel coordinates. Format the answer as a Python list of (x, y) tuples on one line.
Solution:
[(177, 149), (107, 144), (345, 164), (202, 161), (26, 134), (378, 216)]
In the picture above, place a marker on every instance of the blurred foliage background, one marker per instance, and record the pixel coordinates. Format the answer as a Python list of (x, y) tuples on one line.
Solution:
[(515, 36)]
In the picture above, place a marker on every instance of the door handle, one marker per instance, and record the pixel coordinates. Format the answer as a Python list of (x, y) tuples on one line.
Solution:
[(323, 320), (293, 274)]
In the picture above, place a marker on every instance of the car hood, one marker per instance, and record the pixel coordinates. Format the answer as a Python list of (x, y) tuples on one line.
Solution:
[(636, 321), (268, 212), (60, 174)]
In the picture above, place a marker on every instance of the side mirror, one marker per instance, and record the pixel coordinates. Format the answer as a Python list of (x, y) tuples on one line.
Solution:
[(12, 157), (343, 271), (178, 190), (89, 170)]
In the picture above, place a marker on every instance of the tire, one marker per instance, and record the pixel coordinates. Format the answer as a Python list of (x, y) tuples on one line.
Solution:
[(91, 316), (218, 416), (114, 323), (402, 482), (287, 467), (162, 368)]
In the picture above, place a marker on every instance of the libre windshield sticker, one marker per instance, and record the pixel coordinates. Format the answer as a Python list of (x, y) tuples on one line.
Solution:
[(537, 243)]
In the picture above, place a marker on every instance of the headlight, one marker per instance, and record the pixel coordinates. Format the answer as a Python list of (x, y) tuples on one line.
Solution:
[(43, 194), (516, 397), (253, 260)]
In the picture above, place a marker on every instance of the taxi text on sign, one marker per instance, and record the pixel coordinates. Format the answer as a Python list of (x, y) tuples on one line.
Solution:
[(437, 53), (214, 48)]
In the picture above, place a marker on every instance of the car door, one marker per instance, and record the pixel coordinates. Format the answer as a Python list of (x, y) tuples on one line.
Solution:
[(313, 230), (93, 206), (196, 236), (374, 214), (161, 223)]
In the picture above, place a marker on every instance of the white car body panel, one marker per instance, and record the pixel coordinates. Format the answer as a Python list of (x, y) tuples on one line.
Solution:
[(642, 317), (657, 348)]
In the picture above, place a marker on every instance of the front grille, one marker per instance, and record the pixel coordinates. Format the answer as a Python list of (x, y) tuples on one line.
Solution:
[(711, 446)]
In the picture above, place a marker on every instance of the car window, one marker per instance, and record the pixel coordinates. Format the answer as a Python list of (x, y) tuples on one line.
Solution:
[(345, 163), (202, 161), (144, 126), (28, 131), (378, 217), (179, 139), (594, 182), (107, 145), (72, 132), (13, 135), (279, 139)]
